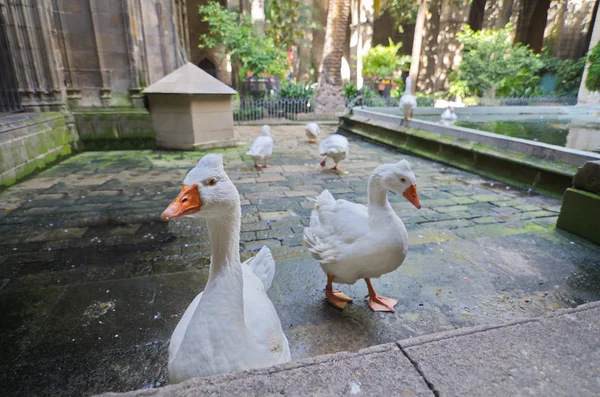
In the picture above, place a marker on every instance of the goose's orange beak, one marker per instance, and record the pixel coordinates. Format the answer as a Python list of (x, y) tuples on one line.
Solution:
[(411, 195), (188, 202)]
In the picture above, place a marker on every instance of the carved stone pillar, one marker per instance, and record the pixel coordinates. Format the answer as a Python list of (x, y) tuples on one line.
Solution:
[(30, 32)]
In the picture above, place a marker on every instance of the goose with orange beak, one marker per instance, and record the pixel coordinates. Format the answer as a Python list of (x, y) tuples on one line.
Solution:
[(232, 325), (352, 241)]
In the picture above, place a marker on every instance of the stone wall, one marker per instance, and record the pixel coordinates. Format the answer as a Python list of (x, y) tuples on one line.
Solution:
[(89, 53), (29, 142), (568, 27), (106, 129)]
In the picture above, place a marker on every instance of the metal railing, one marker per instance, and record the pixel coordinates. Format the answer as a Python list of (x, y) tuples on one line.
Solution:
[(293, 110), (279, 110), (428, 102), (10, 99)]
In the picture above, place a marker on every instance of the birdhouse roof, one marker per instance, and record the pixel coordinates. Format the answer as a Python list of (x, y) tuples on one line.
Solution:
[(189, 79)]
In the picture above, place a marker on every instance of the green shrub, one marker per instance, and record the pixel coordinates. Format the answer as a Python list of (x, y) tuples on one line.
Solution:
[(350, 91), (237, 36), (472, 101), (382, 62), (426, 100), (491, 64), (568, 74), (295, 90), (592, 80)]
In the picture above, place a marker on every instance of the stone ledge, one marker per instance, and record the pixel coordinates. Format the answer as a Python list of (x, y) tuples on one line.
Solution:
[(405, 367), (527, 171), (375, 371), (579, 214)]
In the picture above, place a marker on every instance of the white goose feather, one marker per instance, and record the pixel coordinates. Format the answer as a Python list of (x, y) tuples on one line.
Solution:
[(232, 325), (262, 146), (352, 241), (312, 131), (408, 102), (336, 147)]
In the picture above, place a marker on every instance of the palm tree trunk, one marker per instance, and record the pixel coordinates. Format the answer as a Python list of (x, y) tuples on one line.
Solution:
[(329, 90), (417, 41)]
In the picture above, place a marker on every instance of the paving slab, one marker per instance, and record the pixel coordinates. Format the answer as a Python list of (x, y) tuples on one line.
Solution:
[(377, 371), (495, 258), (556, 355)]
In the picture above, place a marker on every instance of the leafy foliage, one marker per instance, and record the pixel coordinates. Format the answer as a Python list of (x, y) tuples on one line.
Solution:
[(491, 64), (383, 61), (287, 20), (402, 11), (350, 91), (568, 74), (238, 37), (295, 90), (592, 80)]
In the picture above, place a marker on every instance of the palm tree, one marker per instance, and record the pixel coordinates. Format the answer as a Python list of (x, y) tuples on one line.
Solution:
[(329, 89), (417, 42)]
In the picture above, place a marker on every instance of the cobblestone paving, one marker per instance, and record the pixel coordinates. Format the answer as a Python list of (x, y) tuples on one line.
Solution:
[(92, 283)]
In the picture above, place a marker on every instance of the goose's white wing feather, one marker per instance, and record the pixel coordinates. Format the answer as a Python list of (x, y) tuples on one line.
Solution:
[(312, 130), (261, 317), (334, 226), (334, 144), (263, 266), (261, 147)]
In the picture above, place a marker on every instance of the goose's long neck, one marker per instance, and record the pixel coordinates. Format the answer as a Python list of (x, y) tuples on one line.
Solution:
[(408, 88), (378, 201), (224, 289), (225, 246)]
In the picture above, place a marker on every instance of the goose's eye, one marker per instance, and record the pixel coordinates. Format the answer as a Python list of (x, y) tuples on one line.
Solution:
[(403, 180), (212, 182)]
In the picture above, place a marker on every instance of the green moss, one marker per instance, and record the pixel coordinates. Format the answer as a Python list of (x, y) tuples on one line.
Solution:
[(118, 144), (578, 212), (518, 169)]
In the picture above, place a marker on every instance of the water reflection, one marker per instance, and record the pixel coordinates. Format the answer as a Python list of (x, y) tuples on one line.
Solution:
[(583, 138)]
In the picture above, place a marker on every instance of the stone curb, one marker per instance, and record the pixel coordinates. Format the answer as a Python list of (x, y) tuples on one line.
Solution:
[(457, 333), (201, 385)]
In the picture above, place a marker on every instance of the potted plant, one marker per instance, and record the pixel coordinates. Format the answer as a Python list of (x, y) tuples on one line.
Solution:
[(383, 64)]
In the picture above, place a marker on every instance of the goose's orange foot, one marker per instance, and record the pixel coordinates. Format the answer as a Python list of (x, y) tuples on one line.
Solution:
[(337, 298), (381, 304)]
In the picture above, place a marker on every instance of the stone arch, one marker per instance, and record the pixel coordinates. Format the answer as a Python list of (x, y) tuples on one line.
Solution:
[(208, 66), (532, 23)]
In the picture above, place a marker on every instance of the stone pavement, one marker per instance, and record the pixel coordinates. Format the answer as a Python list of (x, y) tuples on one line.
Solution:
[(92, 283), (556, 355)]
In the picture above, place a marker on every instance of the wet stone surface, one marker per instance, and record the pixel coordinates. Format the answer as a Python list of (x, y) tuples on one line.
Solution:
[(92, 283)]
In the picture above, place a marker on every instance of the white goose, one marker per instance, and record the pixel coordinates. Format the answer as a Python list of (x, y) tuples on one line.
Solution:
[(352, 241), (408, 102), (312, 132), (262, 147), (449, 115), (232, 325), (335, 146)]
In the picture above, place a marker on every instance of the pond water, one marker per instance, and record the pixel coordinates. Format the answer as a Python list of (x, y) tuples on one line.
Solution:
[(582, 133)]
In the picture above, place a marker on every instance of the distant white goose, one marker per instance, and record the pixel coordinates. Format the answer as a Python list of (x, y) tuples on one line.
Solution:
[(312, 132), (408, 102), (262, 147), (335, 146), (449, 114)]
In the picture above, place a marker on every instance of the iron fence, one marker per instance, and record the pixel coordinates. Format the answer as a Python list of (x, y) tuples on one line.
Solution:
[(428, 102), (10, 99), (279, 110), (289, 110)]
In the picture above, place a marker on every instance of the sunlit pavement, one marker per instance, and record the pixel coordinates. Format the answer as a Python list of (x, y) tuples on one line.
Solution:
[(92, 283)]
